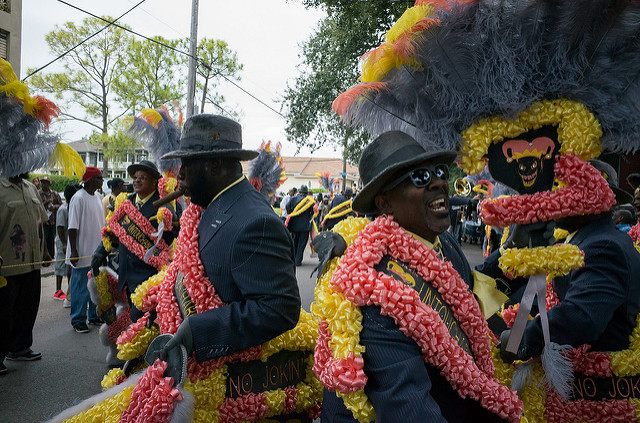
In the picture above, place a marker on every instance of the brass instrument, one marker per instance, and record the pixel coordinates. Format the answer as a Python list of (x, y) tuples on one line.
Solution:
[(462, 187)]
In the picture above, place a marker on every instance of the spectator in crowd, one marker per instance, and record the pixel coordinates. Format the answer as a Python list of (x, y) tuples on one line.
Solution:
[(62, 269), (86, 220), (623, 218), (117, 186), (52, 202), (36, 182), (285, 200), (20, 207)]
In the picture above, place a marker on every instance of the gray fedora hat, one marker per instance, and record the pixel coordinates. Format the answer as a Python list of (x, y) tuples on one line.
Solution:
[(211, 136), (146, 166), (382, 160), (609, 173)]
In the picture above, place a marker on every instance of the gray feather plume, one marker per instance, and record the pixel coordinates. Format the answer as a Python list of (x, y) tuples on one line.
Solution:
[(24, 144), (159, 141), (497, 58)]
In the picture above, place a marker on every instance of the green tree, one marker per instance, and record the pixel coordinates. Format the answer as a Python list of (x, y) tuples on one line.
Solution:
[(88, 75), (117, 144), (156, 74), (329, 67), (216, 61)]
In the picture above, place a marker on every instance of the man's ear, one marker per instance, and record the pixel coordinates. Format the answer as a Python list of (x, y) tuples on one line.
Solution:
[(382, 204)]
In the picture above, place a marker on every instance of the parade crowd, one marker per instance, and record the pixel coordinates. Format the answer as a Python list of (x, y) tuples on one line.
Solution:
[(190, 272)]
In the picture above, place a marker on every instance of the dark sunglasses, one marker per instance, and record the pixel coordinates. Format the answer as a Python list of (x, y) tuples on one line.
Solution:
[(421, 177)]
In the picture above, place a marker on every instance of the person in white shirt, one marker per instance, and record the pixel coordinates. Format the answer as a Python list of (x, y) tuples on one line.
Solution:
[(86, 220), (285, 200)]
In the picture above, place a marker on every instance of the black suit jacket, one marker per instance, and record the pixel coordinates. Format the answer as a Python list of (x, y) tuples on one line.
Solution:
[(600, 301), (301, 222), (247, 255), (131, 270)]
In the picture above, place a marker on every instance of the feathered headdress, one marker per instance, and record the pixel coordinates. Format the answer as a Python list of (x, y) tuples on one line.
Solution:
[(325, 180), (447, 66), (266, 172), (159, 134), (24, 144)]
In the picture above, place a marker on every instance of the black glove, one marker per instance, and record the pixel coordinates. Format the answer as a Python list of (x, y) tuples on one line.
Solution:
[(181, 337), (531, 235), (328, 245), (506, 356), (98, 259)]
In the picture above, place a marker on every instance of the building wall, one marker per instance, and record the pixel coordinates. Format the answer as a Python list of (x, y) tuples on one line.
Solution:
[(11, 28)]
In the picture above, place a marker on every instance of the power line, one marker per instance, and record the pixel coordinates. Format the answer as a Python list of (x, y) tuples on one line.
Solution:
[(177, 51), (82, 42), (131, 31)]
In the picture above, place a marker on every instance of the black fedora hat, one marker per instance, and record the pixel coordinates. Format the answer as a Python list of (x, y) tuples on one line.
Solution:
[(384, 158), (211, 136), (609, 173), (145, 166)]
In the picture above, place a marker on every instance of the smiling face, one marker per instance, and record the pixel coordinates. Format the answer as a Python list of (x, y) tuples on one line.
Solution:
[(143, 183), (423, 211)]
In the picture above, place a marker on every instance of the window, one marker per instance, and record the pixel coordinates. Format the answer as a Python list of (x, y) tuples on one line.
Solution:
[(4, 44), (5, 6)]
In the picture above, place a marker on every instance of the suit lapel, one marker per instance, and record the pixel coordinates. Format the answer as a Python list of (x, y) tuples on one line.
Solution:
[(215, 216)]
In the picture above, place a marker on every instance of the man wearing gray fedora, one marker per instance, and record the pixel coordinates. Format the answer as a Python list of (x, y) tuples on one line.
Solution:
[(406, 187), (245, 248)]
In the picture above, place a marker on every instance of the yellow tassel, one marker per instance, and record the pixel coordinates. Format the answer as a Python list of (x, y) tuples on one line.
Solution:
[(66, 158)]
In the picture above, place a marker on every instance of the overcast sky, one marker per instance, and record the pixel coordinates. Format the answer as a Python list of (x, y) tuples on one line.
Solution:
[(266, 34)]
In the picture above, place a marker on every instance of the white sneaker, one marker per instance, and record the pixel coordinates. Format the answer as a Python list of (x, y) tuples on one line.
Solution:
[(66, 303)]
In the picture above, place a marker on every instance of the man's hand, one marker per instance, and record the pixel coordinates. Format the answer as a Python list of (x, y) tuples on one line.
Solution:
[(46, 257), (74, 257), (182, 337), (532, 235), (506, 356)]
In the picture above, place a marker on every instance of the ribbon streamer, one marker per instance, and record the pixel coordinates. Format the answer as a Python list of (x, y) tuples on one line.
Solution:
[(537, 285), (157, 234)]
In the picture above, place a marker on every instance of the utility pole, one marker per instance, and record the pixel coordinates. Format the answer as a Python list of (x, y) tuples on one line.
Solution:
[(193, 51), (344, 162)]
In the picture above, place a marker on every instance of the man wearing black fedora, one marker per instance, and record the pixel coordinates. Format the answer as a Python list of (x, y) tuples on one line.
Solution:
[(406, 187), (245, 248), (132, 269)]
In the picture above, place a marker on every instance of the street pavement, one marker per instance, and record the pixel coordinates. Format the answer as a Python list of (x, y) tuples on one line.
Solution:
[(73, 364)]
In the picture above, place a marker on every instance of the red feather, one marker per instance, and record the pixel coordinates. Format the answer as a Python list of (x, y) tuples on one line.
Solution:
[(45, 110), (424, 24), (346, 99)]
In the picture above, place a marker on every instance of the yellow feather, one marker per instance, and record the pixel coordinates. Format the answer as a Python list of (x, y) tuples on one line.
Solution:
[(66, 158), (381, 60), (152, 117), (408, 19)]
